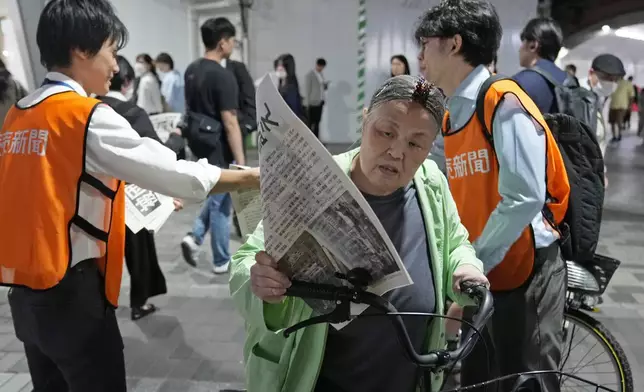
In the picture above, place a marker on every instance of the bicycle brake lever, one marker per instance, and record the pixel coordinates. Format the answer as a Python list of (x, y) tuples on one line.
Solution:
[(341, 313)]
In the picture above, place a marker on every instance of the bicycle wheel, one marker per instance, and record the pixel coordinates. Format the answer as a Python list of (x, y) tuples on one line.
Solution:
[(587, 346)]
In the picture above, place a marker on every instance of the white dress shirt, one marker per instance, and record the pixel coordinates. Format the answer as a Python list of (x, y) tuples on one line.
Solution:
[(116, 151), (520, 146)]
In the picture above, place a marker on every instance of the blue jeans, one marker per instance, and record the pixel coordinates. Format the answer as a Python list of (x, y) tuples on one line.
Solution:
[(215, 215)]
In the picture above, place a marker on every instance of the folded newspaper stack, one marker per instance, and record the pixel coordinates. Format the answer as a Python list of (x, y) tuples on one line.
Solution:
[(316, 222)]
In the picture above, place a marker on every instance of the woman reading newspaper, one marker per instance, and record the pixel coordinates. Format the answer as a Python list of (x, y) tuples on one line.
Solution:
[(410, 197)]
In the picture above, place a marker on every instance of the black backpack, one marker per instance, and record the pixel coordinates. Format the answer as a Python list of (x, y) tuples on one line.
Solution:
[(573, 100), (585, 168)]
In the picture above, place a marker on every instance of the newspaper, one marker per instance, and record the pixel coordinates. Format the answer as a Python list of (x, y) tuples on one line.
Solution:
[(146, 209), (316, 222), (248, 207), (165, 123)]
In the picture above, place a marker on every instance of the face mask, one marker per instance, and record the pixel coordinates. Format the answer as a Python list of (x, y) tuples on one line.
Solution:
[(280, 73), (161, 74), (605, 88), (139, 69)]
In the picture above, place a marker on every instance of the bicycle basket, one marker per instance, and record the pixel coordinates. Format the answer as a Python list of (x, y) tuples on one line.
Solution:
[(591, 276)]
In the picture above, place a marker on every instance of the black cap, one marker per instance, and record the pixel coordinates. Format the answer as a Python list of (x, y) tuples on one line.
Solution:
[(609, 64)]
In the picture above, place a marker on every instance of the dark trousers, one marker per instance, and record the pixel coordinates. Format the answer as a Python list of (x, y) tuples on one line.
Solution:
[(146, 277), (315, 116), (71, 337), (525, 332)]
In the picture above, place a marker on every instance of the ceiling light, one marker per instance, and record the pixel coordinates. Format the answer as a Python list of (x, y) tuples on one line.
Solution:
[(629, 33), (606, 28)]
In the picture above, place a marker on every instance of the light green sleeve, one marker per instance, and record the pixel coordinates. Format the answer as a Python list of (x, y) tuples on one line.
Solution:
[(458, 248), (259, 314)]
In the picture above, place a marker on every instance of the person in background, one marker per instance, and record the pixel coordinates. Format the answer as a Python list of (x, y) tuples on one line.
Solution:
[(72, 202), (314, 97), (147, 87), (500, 191), (631, 106), (571, 69), (247, 113), (272, 74), (541, 41), (620, 105), (288, 85), (212, 97), (171, 83), (603, 75), (399, 65), (146, 277), (11, 91)]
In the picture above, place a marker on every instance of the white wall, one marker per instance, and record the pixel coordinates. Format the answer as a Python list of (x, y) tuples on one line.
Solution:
[(156, 26), (328, 28), (309, 29)]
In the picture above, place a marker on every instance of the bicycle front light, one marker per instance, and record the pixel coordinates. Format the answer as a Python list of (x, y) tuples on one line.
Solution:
[(579, 278)]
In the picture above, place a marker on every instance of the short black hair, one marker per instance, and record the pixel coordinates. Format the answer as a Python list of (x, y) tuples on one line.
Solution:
[(84, 25), (572, 67), (475, 21), (321, 62), (214, 30), (123, 76), (547, 33), (165, 58)]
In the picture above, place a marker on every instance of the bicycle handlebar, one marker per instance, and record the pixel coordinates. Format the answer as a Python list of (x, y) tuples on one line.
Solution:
[(343, 296)]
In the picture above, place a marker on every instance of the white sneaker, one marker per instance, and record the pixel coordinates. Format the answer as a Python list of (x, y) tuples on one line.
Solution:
[(221, 269), (190, 250)]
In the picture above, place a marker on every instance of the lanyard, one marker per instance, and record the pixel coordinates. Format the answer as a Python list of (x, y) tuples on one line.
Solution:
[(57, 83)]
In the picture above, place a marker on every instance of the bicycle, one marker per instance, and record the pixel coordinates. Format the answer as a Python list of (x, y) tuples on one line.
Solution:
[(586, 284), (355, 291)]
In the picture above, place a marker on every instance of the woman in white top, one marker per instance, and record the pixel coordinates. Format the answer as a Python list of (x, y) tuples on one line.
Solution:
[(147, 89)]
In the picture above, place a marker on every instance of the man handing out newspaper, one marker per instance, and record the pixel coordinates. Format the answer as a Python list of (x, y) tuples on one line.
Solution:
[(411, 200)]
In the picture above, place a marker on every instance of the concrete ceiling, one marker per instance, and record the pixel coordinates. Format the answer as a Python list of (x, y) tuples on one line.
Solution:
[(626, 43)]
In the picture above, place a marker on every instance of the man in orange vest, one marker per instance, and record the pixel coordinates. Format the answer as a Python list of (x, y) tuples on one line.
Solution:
[(63, 159), (500, 173)]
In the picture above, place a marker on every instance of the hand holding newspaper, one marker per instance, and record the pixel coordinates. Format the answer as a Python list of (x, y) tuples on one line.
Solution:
[(145, 209), (165, 123), (316, 222)]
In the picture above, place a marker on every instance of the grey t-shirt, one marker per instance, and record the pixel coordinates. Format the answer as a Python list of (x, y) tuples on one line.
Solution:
[(366, 355)]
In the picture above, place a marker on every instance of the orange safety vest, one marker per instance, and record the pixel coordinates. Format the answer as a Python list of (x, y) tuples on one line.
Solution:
[(473, 174), (42, 169)]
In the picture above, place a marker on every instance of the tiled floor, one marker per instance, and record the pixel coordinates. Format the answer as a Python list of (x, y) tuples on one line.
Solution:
[(194, 342)]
